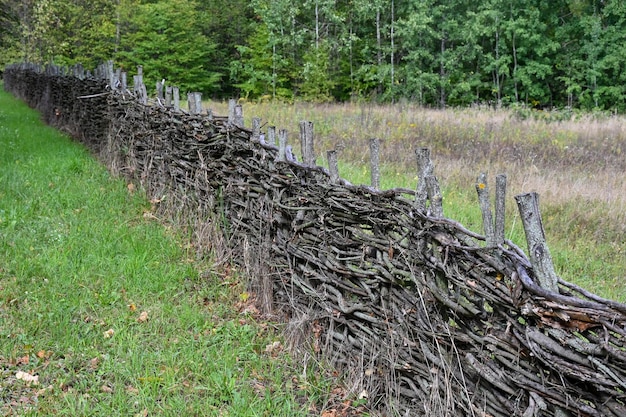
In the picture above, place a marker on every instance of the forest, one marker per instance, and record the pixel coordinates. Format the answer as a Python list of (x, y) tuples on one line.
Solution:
[(543, 54)]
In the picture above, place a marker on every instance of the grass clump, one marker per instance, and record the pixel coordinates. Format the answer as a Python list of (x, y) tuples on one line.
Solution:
[(104, 311)]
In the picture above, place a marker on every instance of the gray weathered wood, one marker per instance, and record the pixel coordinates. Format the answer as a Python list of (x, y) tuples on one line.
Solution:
[(333, 166), (539, 252), (238, 116), (176, 92), (306, 143), (434, 195), (271, 135), (500, 208), (168, 96), (256, 129), (375, 162), (231, 110), (482, 189), (159, 91), (424, 169), (282, 145)]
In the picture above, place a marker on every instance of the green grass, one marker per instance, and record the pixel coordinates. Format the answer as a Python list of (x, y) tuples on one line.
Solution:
[(110, 309)]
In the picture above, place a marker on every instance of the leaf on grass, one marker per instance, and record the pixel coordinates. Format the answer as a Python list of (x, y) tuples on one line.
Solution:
[(143, 317), (132, 307), (26, 377), (109, 333), (273, 348), (106, 388)]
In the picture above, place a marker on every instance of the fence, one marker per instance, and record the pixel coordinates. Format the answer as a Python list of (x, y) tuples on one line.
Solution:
[(428, 317)]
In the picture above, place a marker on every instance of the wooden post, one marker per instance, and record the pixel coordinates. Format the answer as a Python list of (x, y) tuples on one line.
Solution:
[(271, 135), (231, 110), (333, 166), (168, 96), (482, 189), (424, 169), (540, 257), (191, 104), (434, 195), (500, 208), (375, 162), (159, 91), (124, 80), (306, 143), (256, 129), (176, 92), (197, 98), (282, 145), (238, 121)]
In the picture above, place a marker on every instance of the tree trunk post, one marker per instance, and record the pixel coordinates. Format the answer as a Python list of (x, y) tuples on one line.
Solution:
[(282, 145), (256, 129), (482, 189), (424, 169), (434, 195), (500, 208), (306, 143), (168, 96), (271, 135), (176, 92), (540, 257), (333, 166), (375, 162)]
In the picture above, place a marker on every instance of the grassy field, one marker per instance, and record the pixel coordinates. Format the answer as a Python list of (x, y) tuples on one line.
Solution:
[(576, 162), (105, 311)]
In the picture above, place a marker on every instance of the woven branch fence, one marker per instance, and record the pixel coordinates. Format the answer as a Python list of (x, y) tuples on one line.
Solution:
[(427, 317)]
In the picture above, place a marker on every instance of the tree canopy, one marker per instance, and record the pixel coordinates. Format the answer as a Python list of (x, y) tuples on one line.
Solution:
[(559, 53)]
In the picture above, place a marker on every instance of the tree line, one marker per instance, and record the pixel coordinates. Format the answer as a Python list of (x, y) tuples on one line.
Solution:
[(540, 53)]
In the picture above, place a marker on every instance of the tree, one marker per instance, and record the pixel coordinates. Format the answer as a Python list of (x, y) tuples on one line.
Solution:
[(166, 39)]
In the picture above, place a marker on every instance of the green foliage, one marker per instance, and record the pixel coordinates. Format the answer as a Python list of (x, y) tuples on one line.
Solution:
[(438, 53), (166, 38)]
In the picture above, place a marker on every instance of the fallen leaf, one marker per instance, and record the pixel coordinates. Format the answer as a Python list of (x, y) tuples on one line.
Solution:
[(131, 188), (109, 333), (26, 377), (143, 317), (93, 363), (273, 347), (132, 307), (106, 388)]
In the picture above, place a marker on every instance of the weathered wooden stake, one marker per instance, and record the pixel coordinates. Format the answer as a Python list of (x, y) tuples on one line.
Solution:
[(434, 195), (176, 92), (271, 135), (282, 145), (500, 208), (333, 166), (306, 143), (482, 189), (159, 90), (231, 110), (424, 169), (540, 257), (375, 162), (238, 120), (124, 80), (194, 101), (256, 128), (168, 96)]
